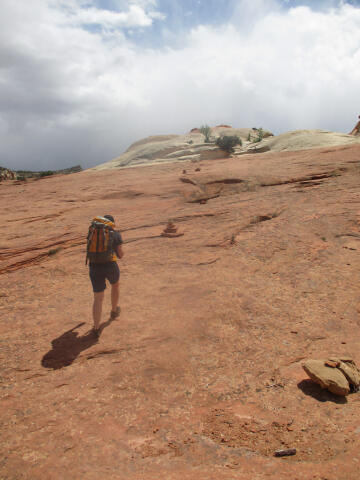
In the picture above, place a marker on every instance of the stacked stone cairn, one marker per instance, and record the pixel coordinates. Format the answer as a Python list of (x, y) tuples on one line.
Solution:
[(171, 231)]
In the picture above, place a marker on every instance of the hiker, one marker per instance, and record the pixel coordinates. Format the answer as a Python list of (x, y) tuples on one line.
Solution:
[(356, 129), (104, 246)]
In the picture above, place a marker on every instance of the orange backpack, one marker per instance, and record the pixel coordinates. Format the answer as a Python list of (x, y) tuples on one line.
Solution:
[(100, 241)]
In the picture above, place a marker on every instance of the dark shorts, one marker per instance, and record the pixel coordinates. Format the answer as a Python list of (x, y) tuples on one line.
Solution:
[(99, 272)]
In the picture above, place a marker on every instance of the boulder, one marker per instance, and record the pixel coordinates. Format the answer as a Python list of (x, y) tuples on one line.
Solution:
[(327, 377), (6, 174), (350, 370), (258, 149)]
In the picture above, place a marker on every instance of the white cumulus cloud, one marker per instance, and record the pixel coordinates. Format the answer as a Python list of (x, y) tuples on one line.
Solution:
[(135, 16), (72, 94)]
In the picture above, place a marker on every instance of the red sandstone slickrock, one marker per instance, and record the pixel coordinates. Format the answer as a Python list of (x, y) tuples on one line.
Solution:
[(201, 375)]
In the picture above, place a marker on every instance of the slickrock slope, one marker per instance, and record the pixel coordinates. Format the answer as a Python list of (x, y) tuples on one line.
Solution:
[(175, 148), (200, 377), (301, 140), (192, 147)]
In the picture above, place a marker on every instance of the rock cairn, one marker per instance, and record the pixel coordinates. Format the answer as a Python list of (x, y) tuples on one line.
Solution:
[(171, 230)]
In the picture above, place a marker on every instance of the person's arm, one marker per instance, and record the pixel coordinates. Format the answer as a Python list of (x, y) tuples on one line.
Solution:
[(119, 251), (118, 244)]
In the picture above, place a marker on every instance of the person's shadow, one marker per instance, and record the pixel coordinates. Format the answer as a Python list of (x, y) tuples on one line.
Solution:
[(66, 348)]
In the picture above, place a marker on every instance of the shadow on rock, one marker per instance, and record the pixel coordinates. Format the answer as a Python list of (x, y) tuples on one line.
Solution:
[(67, 347), (314, 390)]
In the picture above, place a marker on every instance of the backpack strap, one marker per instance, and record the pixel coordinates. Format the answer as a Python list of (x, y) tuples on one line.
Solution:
[(88, 244)]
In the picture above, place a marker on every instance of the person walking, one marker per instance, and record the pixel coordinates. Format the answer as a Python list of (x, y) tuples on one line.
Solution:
[(104, 247)]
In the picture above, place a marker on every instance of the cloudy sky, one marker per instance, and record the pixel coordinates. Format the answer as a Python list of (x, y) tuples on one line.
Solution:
[(80, 80)]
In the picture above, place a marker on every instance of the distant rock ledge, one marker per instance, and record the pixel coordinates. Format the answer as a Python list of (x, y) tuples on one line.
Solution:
[(7, 174), (179, 148), (192, 146), (24, 174)]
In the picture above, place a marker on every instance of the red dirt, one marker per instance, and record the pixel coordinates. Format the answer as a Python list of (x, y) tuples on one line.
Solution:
[(200, 377)]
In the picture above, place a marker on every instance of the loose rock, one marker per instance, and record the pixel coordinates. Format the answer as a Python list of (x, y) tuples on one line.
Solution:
[(349, 369), (285, 453), (327, 377)]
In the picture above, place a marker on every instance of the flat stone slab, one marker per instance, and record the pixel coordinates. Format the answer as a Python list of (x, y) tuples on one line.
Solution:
[(327, 377)]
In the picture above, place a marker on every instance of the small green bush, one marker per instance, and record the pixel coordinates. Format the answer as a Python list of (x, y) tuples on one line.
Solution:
[(228, 142), (260, 135), (54, 251), (206, 131)]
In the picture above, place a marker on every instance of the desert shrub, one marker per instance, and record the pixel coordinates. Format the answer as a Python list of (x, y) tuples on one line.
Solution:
[(54, 251), (190, 142), (206, 131), (249, 138), (46, 173), (228, 142), (260, 135)]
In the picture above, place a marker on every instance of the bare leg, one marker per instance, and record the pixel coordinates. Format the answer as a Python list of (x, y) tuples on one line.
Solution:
[(115, 287), (97, 308)]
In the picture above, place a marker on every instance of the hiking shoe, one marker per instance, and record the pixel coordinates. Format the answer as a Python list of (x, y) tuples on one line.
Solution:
[(115, 314)]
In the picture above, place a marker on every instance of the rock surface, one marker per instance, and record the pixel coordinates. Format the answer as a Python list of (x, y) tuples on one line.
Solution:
[(200, 377), (350, 370), (301, 140), (327, 376), (170, 148)]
